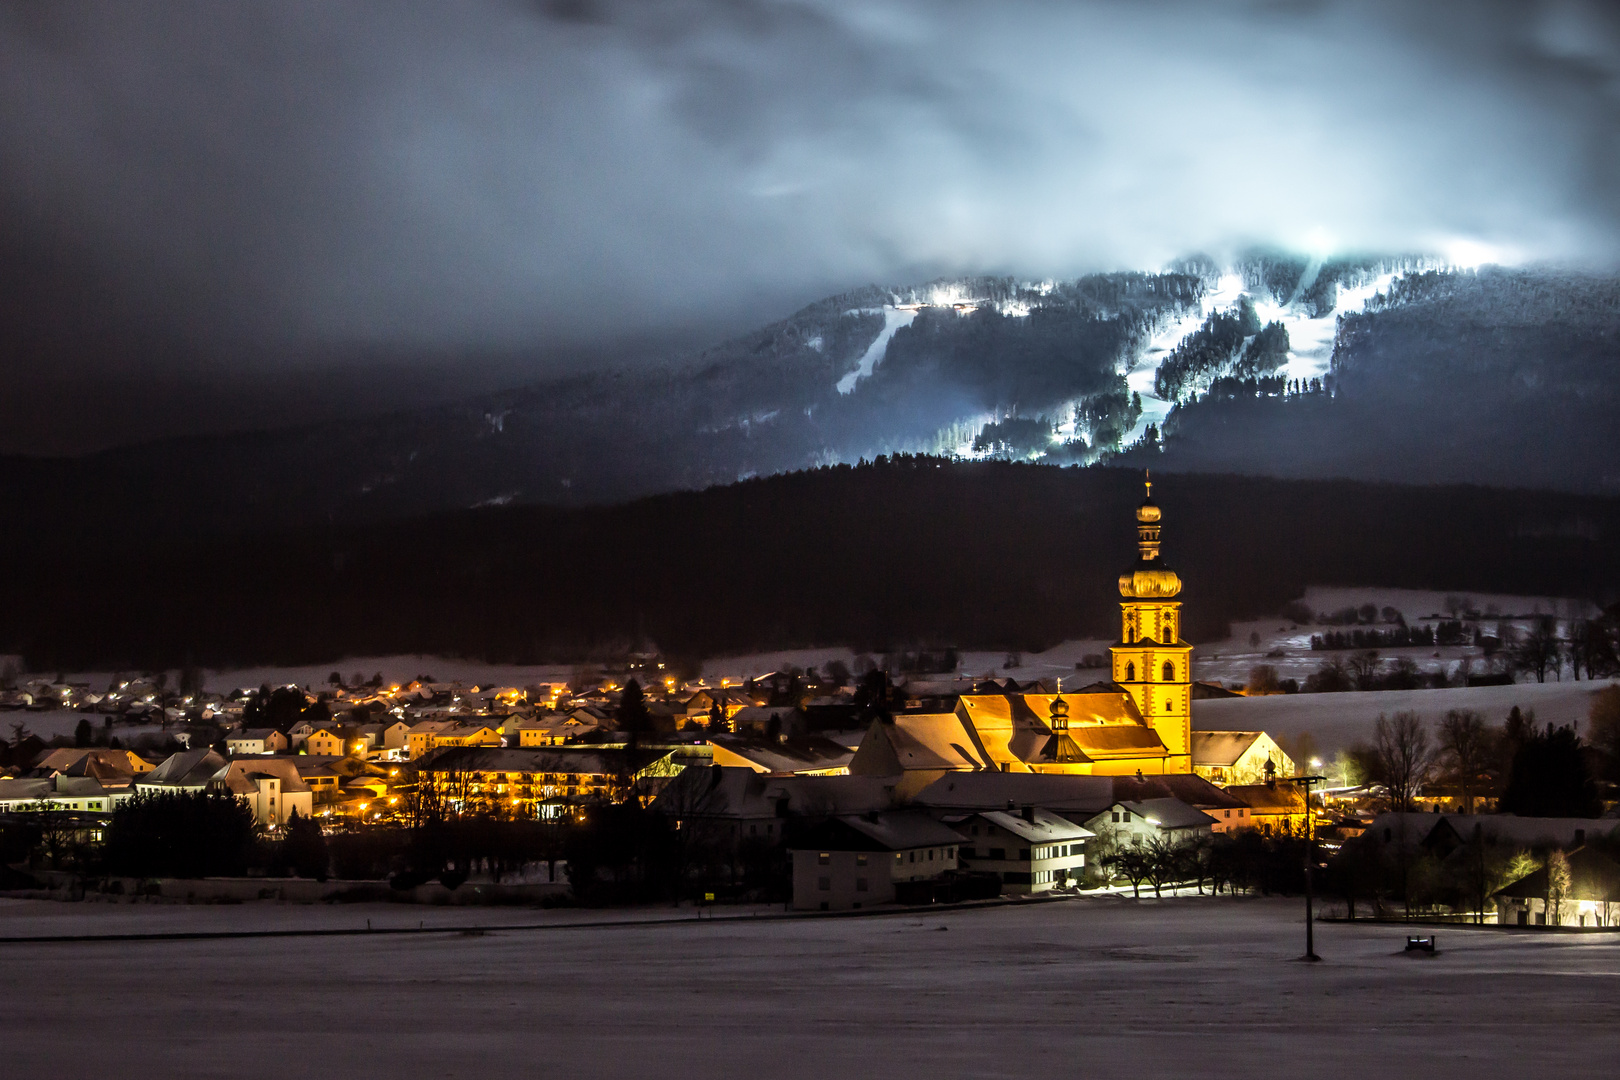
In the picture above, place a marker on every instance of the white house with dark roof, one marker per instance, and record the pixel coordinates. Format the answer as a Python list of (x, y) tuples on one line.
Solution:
[(1031, 850), (1142, 821)]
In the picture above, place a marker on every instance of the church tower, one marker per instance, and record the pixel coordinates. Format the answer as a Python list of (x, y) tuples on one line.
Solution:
[(1151, 661)]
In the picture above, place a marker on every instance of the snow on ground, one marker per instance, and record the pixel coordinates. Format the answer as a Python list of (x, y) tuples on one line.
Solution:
[(49, 723), (1141, 376), (1310, 340), (1286, 646), (1176, 988), (893, 320), (1338, 721)]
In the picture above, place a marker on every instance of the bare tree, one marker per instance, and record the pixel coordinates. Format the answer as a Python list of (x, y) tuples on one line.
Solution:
[(1365, 665), (1402, 758), (1541, 650), (1263, 679), (1467, 748)]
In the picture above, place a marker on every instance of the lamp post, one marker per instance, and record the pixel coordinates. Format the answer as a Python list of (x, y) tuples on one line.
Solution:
[(1310, 861)]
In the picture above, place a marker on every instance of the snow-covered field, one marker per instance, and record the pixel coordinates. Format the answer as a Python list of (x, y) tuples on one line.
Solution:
[(1230, 660), (1095, 987), (1337, 721)]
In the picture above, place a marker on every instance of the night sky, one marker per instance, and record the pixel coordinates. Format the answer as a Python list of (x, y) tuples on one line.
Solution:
[(218, 216)]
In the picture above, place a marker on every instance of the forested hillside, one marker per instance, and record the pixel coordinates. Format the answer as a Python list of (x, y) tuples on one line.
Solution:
[(906, 552)]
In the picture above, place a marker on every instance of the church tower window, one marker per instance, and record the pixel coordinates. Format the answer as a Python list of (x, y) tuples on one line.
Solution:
[(1130, 672), (1169, 672)]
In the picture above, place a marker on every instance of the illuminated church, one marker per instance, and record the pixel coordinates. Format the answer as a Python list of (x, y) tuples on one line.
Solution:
[(1140, 722)]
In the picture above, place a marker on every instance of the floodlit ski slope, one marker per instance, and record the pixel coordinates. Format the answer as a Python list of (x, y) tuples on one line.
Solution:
[(1310, 340), (893, 320)]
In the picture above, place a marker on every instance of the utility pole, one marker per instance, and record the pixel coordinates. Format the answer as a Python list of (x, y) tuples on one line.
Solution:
[(1310, 862)]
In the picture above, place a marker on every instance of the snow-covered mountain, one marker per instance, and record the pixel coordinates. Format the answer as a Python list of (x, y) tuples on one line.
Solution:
[(1375, 367)]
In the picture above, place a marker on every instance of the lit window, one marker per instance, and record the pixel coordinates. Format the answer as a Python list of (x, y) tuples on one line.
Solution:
[(824, 858), (860, 860)]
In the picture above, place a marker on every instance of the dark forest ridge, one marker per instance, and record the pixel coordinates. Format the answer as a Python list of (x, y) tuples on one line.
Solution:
[(904, 552)]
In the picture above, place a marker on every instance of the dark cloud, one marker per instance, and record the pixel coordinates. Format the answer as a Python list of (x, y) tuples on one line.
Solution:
[(223, 186)]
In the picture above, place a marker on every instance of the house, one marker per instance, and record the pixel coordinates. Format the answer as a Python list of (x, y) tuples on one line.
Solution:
[(1591, 898), (59, 793), (527, 780), (1275, 808), (257, 741), (1238, 757), (553, 730), (856, 861), (764, 721), (188, 771), (1078, 798), (419, 739), (1031, 851), (330, 740), (1147, 820), (742, 804), (807, 755), (272, 788), (81, 761), (429, 734)]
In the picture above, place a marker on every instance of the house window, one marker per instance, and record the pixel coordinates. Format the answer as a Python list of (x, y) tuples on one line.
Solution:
[(911, 856), (1127, 817), (1116, 817), (824, 884), (824, 858), (998, 853), (1023, 854), (1229, 813), (860, 860), (860, 884), (930, 854)]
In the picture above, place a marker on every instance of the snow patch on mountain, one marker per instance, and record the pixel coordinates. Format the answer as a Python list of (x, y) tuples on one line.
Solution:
[(893, 319)]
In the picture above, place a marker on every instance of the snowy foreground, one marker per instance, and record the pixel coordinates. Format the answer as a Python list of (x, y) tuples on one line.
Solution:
[(1094, 987)]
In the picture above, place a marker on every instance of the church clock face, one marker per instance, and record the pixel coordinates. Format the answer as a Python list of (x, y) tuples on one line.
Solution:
[(1151, 662)]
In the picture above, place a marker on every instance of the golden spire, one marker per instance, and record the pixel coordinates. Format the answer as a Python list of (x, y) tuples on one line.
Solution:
[(1151, 578)]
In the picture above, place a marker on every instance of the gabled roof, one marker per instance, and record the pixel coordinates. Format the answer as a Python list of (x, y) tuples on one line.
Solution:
[(1169, 813), (1190, 788), (1592, 876), (792, 755), (187, 769), (917, 741), (1278, 798), (998, 790), (717, 791), (1221, 749), (1047, 828), (899, 830)]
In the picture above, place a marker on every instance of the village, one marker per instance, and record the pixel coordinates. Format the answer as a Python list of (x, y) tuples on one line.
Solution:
[(820, 790)]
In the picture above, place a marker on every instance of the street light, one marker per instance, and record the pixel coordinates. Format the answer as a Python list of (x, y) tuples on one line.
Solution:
[(1310, 860)]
